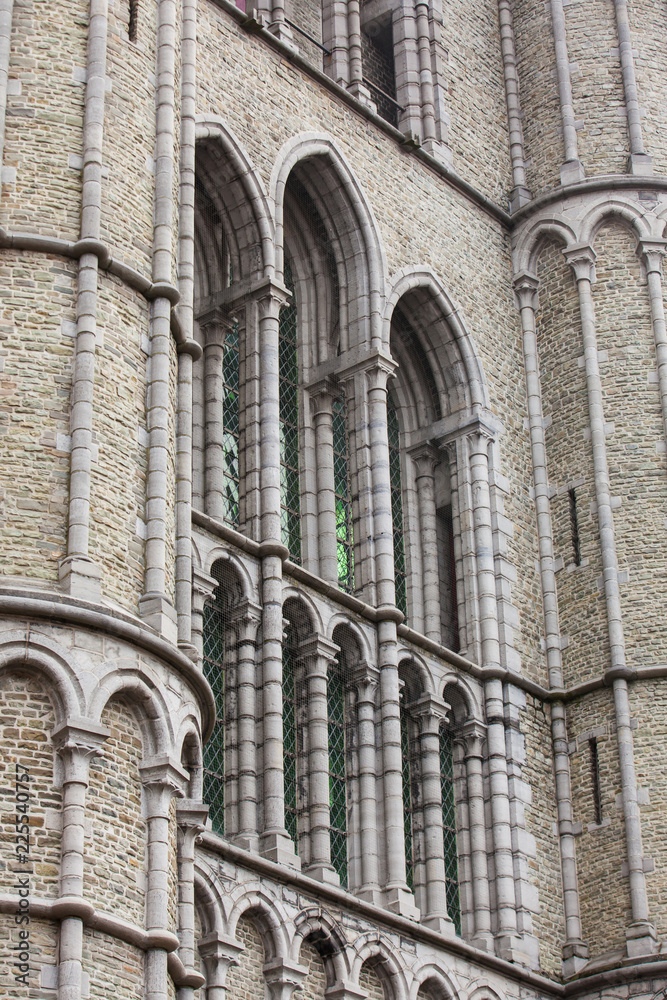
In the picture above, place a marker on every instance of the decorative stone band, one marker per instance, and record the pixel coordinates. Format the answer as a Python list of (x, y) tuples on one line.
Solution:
[(128, 275), (115, 927)]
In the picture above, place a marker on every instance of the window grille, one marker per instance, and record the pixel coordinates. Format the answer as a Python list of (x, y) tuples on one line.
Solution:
[(337, 771), (344, 542), (230, 424), (290, 501), (406, 769), (449, 827), (397, 507), (290, 736), (214, 625)]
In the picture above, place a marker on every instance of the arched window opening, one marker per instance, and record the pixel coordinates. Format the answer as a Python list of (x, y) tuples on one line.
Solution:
[(449, 825), (290, 763), (449, 618), (377, 57), (230, 425), (400, 575), (343, 499), (337, 769), (290, 499), (214, 628)]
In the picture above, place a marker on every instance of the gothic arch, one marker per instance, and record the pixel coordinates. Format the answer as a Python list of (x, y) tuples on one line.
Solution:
[(434, 982), (235, 579), (465, 704), (613, 209), (351, 635), (321, 930), (416, 674), (302, 613), (267, 914), (372, 949), (144, 699), (208, 900), (530, 241)]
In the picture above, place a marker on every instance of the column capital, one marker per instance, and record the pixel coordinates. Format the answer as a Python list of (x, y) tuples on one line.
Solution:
[(525, 286), (203, 587), (425, 456), (652, 250), (315, 649), (215, 323), (270, 296), (219, 948), (473, 734), (323, 391), (283, 977), (77, 741), (365, 677), (431, 712), (245, 614), (581, 257), (163, 777)]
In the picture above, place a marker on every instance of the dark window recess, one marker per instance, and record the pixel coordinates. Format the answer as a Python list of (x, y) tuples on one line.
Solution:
[(595, 778), (574, 526), (133, 20), (377, 59), (449, 619)]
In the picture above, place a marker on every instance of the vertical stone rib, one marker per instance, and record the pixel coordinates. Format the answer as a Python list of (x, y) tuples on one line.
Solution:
[(570, 145), (77, 572), (520, 195), (425, 74), (6, 15), (574, 950), (629, 80), (640, 934)]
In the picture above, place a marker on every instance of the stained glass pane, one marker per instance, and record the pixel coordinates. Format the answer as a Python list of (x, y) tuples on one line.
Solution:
[(290, 501), (230, 423), (407, 797), (343, 500), (214, 751), (337, 785), (289, 737), (449, 827), (397, 506)]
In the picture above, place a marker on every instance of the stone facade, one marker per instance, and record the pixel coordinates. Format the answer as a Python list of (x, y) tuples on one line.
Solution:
[(339, 415)]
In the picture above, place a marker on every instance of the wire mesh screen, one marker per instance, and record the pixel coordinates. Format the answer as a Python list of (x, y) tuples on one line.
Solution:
[(449, 618), (212, 259), (230, 424), (343, 499), (337, 769), (449, 826), (290, 501), (214, 628), (403, 331), (397, 507), (290, 735)]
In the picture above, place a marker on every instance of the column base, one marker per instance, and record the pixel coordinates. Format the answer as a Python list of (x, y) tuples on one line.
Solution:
[(282, 31), (640, 164), (641, 939), (483, 941), (248, 841), (189, 649), (371, 895), (402, 901), (441, 923), (158, 612), (510, 948), (323, 874), (572, 172), (575, 957), (439, 151), (279, 847), (81, 577), (518, 197), (362, 94)]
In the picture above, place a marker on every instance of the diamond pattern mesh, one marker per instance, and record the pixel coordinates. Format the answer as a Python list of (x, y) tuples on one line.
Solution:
[(407, 796), (337, 785), (290, 501), (449, 827), (396, 506), (214, 751), (230, 423), (344, 543), (289, 736)]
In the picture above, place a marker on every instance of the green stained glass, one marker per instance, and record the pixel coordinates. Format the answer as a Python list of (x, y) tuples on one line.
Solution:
[(290, 500), (214, 751), (397, 507), (337, 784), (449, 827), (289, 738), (407, 797), (230, 423), (343, 500)]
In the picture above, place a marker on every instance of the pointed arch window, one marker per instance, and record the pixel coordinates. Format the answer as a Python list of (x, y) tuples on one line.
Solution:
[(449, 825), (397, 506), (290, 502), (214, 626), (337, 770)]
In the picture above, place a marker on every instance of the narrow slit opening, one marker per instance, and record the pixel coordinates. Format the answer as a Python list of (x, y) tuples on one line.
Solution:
[(595, 778), (132, 20), (574, 526)]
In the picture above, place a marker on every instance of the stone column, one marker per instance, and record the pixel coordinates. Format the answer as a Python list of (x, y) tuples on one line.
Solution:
[(191, 818), (572, 169), (425, 461), (507, 944), (639, 162), (275, 843), (322, 396), (365, 681), (218, 953), (76, 745), (575, 951), (317, 654), (431, 712), (283, 977), (425, 75), (356, 85), (214, 330), (162, 778), (640, 934), (245, 619), (474, 735), (203, 587), (653, 252), (520, 194)]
